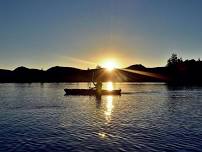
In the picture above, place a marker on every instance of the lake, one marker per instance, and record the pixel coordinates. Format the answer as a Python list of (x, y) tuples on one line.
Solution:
[(146, 117)]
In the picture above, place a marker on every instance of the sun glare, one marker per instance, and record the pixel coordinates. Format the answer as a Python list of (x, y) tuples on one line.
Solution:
[(110, 65), (109, 86)]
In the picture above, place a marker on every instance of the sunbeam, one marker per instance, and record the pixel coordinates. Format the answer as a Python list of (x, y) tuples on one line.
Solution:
[(144, 73)]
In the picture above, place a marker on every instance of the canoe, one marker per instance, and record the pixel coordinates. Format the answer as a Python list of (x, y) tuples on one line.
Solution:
[(91, 92)]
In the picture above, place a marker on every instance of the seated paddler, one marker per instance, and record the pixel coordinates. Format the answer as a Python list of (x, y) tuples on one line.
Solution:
[(98, 86)]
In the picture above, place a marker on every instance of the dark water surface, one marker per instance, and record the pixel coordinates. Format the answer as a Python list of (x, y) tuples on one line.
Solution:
[(147, 117)]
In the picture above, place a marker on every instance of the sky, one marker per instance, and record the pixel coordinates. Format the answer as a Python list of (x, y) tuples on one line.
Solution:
[(85, 33)]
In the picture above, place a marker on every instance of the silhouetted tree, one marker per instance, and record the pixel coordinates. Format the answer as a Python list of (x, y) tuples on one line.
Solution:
[(98, 67), (173, 60)]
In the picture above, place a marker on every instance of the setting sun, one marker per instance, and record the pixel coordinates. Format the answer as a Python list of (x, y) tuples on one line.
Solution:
[(110, 65)]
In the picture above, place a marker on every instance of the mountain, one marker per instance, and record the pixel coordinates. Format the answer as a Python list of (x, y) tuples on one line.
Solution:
[(70, 74), (187, 72), (136, 67)]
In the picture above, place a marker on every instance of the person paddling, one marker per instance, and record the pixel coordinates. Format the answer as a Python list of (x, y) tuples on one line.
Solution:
[(98, 86)]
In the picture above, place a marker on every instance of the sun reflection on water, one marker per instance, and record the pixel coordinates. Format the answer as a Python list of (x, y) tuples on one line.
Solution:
[(108, 113), (102, 134), (109, 108), (109, 86)]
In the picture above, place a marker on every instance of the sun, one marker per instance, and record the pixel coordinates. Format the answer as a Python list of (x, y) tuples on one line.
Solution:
[(110, 65)]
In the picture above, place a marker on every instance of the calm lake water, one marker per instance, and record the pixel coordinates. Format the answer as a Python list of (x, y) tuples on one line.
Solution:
[(146, 117)]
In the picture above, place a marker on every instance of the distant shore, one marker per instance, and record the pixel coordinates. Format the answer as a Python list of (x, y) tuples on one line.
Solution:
[(185, 73)]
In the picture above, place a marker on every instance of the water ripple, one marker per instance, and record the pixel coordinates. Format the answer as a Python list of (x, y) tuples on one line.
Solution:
[(146, 117)]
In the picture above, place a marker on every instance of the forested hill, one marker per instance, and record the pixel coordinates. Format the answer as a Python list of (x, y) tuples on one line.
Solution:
[(176, 71), (69, 74)]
